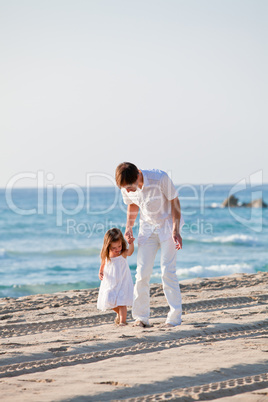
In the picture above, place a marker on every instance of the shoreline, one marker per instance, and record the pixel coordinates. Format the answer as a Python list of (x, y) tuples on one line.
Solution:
[(60, 347), (199, 279)]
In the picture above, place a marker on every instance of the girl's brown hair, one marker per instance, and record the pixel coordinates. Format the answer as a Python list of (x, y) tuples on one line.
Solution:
[(111, 236)]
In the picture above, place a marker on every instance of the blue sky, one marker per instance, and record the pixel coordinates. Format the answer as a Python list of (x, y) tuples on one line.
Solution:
[(175, 85)]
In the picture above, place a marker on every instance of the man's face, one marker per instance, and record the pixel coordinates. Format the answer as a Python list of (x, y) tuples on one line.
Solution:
[(131, 187)]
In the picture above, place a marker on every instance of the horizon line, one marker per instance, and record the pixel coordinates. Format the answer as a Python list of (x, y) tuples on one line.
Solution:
[(103, 186)]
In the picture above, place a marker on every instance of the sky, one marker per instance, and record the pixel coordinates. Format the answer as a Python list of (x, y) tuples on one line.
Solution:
[(177, 85)]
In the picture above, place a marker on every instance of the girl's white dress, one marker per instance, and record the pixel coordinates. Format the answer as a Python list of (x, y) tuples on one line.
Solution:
[(116, 288)]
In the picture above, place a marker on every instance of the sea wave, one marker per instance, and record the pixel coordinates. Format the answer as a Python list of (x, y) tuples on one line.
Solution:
[(234, 239), (77, 252), (43, 288), (214, 270), (215, 205), (211, 270)]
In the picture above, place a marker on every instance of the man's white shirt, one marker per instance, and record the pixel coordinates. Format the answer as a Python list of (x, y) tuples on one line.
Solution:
[(153, 200)]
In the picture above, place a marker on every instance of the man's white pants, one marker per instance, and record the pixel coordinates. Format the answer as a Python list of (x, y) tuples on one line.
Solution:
[(171, 287)]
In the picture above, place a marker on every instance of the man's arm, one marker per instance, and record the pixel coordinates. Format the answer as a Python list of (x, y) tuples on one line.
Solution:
[(176, 217), (132, 213)]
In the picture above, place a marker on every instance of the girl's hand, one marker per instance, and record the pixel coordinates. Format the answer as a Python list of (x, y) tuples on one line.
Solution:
[(131, 240), (101, 275), (129, 235)]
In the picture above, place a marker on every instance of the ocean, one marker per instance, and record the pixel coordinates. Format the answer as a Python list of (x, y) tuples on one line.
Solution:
[(50, 239)]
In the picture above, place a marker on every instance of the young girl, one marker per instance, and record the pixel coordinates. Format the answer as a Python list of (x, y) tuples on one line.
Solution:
[(116, 289)]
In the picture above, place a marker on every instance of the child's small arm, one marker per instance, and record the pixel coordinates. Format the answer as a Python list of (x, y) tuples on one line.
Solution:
[(130, 249), (101, 270)]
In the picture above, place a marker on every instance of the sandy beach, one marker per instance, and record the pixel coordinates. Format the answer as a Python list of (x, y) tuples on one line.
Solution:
[(59, 347)]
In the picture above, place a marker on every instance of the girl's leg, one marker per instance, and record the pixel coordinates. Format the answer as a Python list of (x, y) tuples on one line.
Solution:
[(117, 319), (123, 314)]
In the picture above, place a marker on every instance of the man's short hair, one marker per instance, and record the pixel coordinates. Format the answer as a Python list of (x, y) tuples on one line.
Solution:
[(126, 173)]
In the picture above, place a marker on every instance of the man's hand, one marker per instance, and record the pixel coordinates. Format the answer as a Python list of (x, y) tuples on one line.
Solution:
[(177, 239), (129, 235), (176, 216)]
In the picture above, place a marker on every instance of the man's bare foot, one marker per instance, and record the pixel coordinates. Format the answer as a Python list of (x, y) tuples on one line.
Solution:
[(168, 325), (139, 323)]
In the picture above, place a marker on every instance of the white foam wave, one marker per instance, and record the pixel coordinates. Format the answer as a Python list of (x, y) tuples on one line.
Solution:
[(2, 252), (236, 238), (211, 270), (216, 205), (214, 270)]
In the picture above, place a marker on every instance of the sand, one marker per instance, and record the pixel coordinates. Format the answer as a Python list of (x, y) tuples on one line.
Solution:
[(61, 348)]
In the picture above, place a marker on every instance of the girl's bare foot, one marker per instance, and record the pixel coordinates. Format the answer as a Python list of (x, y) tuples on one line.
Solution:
[(122, 324), (117, 320)]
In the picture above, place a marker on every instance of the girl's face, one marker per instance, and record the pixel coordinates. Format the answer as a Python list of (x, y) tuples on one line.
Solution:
[(115, 248)]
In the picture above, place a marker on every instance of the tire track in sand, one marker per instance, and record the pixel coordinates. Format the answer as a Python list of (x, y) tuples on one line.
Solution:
[(209, 391), (10, 330), (16, 369)]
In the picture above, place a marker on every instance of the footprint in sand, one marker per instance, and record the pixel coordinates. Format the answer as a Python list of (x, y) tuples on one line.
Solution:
[(60, 349)]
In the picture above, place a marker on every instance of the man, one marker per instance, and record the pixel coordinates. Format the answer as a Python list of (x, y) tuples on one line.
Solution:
[(153, 194)]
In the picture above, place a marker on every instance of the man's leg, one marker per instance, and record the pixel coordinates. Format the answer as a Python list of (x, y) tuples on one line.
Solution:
[(170, 281), (145, 263)]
